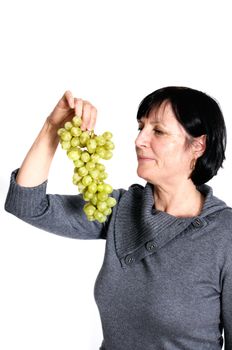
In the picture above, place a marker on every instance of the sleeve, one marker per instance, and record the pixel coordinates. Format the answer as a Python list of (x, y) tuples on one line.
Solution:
[(227, 302), (59, 214)]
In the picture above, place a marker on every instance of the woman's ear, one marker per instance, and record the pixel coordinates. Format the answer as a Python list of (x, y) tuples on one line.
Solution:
[(199, 145)]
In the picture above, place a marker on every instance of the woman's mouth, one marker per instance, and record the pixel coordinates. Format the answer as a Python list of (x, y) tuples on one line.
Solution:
[(144, 159)]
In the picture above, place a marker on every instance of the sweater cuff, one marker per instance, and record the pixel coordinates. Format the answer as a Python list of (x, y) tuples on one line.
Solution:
[(25, 201)]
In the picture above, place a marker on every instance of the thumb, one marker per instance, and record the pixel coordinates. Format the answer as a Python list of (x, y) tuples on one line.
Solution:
[(66, 101)]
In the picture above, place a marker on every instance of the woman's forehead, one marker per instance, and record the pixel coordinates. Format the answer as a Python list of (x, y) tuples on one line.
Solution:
[(162, 114)]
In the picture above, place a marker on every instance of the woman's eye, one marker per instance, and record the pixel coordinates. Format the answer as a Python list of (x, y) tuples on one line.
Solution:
[(157, 131)]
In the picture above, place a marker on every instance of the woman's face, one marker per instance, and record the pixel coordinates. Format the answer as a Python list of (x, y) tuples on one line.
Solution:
[(161, 148)]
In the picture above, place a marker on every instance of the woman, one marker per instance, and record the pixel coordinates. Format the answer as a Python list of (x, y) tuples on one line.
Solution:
[(166, 279)]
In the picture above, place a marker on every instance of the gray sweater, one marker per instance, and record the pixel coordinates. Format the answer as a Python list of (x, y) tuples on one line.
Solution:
[(165, 282)]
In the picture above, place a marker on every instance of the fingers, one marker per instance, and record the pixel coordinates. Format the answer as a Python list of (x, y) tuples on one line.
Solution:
[(78, 105), (93, 118), (66, 101), (69, 98), (86, 116), (68, 106), (87, 112)]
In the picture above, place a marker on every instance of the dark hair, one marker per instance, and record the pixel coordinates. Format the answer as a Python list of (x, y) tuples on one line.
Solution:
[(199, 114)]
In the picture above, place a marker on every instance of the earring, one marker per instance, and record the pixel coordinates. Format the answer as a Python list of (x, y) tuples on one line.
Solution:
[(193, 164)]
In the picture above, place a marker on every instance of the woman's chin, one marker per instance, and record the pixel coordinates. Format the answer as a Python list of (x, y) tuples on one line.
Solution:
[(142, 173)]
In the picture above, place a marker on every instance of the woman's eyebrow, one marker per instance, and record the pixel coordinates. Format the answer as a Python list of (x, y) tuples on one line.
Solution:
[(154, 122), (157, 122)]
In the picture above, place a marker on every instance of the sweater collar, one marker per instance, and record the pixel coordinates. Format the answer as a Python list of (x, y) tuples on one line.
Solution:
[(141, 230), (211, 203)]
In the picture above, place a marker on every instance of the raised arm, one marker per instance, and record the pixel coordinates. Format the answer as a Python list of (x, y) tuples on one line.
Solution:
[(35, 167), (27, 198)]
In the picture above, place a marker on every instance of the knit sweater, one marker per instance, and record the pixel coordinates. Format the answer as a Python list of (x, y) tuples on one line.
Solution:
[(165, 282)]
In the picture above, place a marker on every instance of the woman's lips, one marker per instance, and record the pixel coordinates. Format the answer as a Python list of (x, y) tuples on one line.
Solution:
[(144, 159)]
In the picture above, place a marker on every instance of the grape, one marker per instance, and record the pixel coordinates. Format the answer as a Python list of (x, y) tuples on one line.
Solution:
[(76, 178), (89, 209), (101, 206), (75, 142), (102, 196), (87, 195), (107, 155), (107, 211), (78, 163), (94, 173), (100, 187), (66, 136), (81, 187), (59, 132), (99, 216), (91, 146), (75, 131), (107, 188), (90, 165), (76, 121), (100, 167), (94, 200), (86, 180), (84, 138), (107, 135), (68, 125), (95, 158), (92, 188), (100, 151), (85, 157), (100, 140), (73, 154), (111, 202), (102, 218), (65, 145), (82, 171), (102, 176), (109, 145), (86, 149)]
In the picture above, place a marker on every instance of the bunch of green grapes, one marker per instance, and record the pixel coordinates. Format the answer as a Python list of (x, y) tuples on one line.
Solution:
[(86, 149)]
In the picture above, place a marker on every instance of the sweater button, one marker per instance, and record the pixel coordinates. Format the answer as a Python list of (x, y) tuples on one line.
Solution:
[(197, 223), (129, 259), (151, 246)]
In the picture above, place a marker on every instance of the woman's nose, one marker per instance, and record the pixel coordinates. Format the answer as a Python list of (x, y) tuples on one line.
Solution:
[(143, 139)]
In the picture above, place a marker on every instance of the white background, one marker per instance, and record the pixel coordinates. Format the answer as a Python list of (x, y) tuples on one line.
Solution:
[(112, 53)]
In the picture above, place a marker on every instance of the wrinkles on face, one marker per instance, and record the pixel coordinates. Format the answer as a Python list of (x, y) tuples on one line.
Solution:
[(163, 119), (161, 145)]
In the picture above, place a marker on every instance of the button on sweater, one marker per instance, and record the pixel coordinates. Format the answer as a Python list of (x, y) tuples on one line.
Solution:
[(165, 282)]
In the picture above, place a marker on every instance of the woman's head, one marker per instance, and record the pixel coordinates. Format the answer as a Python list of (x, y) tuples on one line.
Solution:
[(180, 126)]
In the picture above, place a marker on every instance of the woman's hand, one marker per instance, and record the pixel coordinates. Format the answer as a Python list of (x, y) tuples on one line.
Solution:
[(68, 106), (35, 167)]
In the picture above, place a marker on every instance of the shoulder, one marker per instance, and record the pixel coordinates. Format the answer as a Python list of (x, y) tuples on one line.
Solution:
[(225, 217), (128, 199), (125, 197), (225, 221), (134, 188), (221, 222)]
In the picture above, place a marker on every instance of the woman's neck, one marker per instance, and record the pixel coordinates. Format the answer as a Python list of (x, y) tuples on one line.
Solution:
[(180, 201)]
